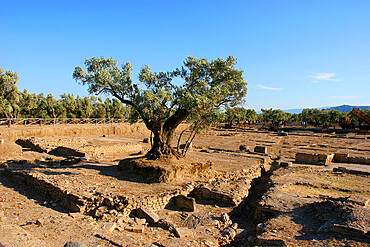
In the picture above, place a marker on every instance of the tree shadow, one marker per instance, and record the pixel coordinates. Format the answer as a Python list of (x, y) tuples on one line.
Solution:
[(114, 171)]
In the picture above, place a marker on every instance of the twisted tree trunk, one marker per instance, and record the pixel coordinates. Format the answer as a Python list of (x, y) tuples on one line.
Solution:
[(163, 134)]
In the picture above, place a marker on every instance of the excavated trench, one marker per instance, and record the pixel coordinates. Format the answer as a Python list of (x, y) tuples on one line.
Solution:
[(247, 214)]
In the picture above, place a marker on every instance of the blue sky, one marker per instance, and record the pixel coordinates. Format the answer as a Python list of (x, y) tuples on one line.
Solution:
[(294, 53)]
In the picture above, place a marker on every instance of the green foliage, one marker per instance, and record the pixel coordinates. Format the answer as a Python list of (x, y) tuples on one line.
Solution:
[(270, 115), (240, 114), (317, 117), (163, 105), (9, 94)]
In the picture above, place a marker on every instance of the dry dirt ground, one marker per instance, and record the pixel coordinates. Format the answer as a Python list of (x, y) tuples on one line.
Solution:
[(48, 197)]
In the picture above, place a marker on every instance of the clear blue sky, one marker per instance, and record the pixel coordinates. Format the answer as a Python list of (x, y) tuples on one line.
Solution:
[(294, 53)]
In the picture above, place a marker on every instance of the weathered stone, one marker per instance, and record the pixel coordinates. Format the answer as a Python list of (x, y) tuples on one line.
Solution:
[(71, 206), (315, 159), (359, 159), (99, 212), (140, 221), (75, 244), (136, 229), (147, 214), (286, 164), (345, 229), (341, 157), (360, 200), (185, 203), (226, 219), (260, 149), (204, 193), (183, 232), (110, 226), (126, 220), (244, 148), (228, 234)]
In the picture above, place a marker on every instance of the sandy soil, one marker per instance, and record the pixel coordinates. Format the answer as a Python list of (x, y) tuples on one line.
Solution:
[(31, 218)]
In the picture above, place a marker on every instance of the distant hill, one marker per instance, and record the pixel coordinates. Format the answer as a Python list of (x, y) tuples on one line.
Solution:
[(341, 108), (346, 108)]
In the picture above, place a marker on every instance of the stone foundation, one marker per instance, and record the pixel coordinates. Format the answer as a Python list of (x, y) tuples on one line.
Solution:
[(314, 159)]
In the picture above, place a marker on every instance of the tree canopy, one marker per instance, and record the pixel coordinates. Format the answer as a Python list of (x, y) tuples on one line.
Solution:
[(9, 93), (161, 103)]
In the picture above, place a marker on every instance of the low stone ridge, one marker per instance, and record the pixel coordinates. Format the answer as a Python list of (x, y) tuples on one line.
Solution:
[(314, 158), (354, 159), (260, 149)]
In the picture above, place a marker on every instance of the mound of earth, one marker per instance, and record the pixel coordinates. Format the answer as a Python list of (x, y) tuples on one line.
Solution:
[(164, 170)]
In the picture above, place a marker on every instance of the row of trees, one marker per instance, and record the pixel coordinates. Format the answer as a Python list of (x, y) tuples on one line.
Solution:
[(310, 116), (17, 104)]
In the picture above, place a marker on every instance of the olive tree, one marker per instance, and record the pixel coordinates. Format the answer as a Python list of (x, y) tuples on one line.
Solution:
[(9, 94), (163, 104)]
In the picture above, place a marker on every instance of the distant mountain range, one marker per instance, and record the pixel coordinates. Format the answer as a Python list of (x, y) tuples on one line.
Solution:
[(341, 108)]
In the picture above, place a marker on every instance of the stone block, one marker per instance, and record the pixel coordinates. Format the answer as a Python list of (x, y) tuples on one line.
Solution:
[(185, 203), (286, 164), (243, 148), (314, 159), (183, 232), (260, 149), (150, 216), (359, 160), (140, 221), (204, 193), (71, 206), (110, 226), (341, 157), (136, 229)]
